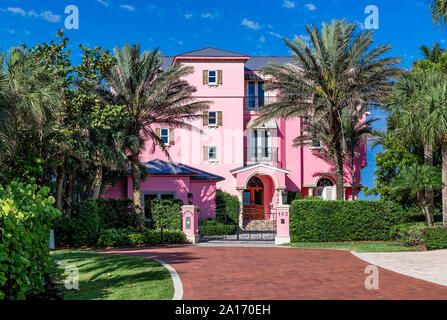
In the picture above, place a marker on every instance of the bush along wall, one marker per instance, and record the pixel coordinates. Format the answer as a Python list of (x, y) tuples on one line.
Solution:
[(25, 218), (227, 207), (435, 237), (343, 220), (127, 237)]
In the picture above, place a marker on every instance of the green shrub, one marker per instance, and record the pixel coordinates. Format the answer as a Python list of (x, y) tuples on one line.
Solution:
[(343, 220), (313, 198), (408, 234), (115, 213), (25, 218), (213, 227), (128, 237), (227, 206), (435, 237), (85, 224), (167, 214)]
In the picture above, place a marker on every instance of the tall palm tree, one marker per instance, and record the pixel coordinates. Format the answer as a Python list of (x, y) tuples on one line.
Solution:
[(434, 126), (334, 71), (405, 106), (439, 11), (150, 97), (432, 54), (355, 134)]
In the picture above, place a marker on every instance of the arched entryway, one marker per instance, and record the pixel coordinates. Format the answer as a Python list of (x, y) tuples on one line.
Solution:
[(326, 188), (254, 199)]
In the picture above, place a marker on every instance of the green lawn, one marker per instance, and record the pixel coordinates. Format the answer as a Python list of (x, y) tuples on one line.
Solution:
[(111, 277), (359, 246)]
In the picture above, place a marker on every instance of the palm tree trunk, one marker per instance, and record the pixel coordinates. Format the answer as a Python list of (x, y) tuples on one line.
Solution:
[(336, 143), (97, 183), (354, 193), (59, 187), (422, 202), (429, 193), (444, 182), (136, 182), (70, 192)]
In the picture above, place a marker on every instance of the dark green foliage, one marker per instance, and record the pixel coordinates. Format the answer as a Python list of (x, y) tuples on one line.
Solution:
[(167, 214), (89, 218), (25, 216), (435, 237), (293, 195), (313, 198), (227, 204), (343, 220), (214, 227), (128, 237)]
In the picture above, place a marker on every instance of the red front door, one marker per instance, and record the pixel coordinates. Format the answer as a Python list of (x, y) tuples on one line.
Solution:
[(254, 204)]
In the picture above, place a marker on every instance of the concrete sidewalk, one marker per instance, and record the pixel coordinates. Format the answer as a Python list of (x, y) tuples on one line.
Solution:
[(427, 265)]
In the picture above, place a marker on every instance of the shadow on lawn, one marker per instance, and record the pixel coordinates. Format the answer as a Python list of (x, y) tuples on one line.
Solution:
[(99, 272)]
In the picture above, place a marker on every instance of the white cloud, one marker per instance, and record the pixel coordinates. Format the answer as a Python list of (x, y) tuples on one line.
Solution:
[(262, 39), (16, 11), (250, 24), (275, 34), (310, 7), (46, 15), (288, 4), (104, 3), (127, 7), (207, 15), (188, 15)]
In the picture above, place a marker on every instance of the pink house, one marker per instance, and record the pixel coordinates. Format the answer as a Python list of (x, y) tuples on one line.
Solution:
[(255, 162)]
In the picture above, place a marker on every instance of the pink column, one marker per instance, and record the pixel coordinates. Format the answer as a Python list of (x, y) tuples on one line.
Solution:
[(190, 222), (282, 225)]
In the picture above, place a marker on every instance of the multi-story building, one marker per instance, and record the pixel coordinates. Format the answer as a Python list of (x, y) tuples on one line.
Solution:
[(228, 151)]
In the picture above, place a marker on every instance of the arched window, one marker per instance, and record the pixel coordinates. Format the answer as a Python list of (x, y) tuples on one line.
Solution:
[(254, 182), (325, 183)]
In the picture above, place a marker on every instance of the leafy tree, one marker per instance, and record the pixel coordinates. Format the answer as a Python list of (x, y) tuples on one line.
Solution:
[(335, 71), (416, 179), (150, 97)]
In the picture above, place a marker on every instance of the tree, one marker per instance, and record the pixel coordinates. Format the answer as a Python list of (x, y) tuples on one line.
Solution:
[(416, 179), (150, 97), (334, 71), (439, 11)]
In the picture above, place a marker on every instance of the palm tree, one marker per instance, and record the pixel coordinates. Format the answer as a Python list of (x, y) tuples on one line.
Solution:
[(417, 179), (334, 71), (439, 11), (150, 97), (434, 125), (405, 106), (355, 134), (432, 54)]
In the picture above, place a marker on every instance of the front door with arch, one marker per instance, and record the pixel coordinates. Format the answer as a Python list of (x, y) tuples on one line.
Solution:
[(253, 200)]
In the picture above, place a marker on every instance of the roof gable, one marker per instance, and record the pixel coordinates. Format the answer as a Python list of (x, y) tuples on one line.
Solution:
[(211, 52)]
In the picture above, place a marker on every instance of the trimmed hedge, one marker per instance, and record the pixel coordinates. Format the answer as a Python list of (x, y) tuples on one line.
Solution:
[(227, 205), (128, 237), (318, 221), (435, 237), (25, 217), (213, 227), (166, 214)]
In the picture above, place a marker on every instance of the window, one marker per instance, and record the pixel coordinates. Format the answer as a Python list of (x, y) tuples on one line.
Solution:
[(212, 153), (164, 135), (325, 188), (212, 77), (212, 118), (316, 144)]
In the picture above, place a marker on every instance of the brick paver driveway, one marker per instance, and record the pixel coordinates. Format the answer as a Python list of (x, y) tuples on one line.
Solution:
[(281, 273)]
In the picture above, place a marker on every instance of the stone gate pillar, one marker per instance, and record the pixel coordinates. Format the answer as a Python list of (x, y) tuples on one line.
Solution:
[(282, 225), (190, 222)]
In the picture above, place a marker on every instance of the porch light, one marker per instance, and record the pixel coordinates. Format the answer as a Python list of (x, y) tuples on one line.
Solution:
[(284, 196), (190, 198)]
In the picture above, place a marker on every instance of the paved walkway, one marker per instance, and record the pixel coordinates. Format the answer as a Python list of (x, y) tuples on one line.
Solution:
[(426, 265), (281, 273)]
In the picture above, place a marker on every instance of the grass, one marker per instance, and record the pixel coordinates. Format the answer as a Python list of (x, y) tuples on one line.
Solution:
[(359, 246), (112, 277)]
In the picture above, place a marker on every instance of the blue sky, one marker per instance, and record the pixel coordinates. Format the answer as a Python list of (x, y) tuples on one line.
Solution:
[(249, 27)]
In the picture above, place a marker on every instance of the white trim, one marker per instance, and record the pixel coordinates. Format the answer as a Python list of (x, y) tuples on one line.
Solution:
[(275, 181), (260, 165), (178, 286), (161, 135)]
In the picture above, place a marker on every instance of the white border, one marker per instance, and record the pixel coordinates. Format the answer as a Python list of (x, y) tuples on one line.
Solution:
[(178, 287)]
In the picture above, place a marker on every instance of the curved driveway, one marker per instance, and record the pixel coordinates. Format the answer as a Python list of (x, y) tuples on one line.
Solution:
[(282, 273)]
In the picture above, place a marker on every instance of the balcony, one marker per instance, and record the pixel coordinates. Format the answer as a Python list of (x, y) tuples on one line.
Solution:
[(254, 102), (261, 154)]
